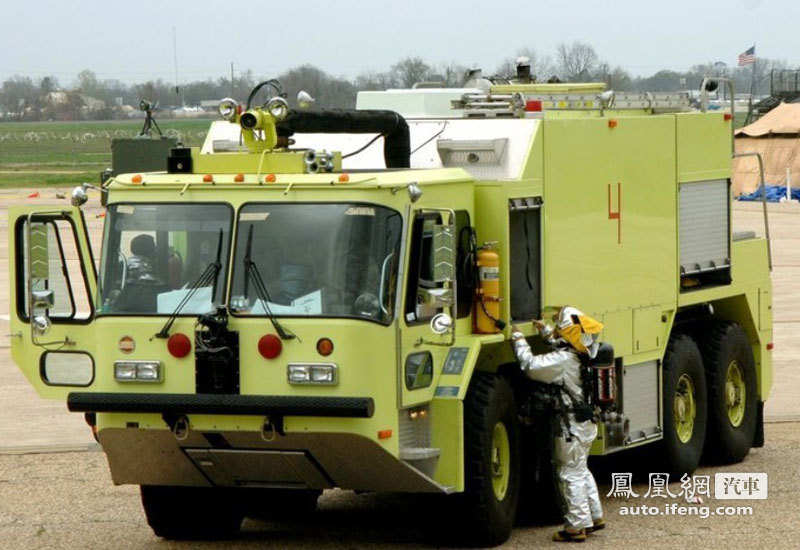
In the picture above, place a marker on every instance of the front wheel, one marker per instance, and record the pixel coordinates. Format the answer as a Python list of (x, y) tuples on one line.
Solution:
[(191, 513), (282, 504), (685, 406), (492, 460)]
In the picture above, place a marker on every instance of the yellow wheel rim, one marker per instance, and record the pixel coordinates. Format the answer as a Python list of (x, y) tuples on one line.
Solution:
[(501, 460), (684, 408), (735, 394)]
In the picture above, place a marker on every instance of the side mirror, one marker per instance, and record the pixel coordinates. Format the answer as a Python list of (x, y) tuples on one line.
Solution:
[(39, 301), (43, 299), (444, 246), (79, 196)]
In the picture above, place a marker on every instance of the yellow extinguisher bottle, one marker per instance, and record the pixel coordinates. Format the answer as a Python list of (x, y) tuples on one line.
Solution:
[(487, 299)]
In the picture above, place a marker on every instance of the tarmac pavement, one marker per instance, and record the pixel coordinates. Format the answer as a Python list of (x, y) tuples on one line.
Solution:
[(67, 501)]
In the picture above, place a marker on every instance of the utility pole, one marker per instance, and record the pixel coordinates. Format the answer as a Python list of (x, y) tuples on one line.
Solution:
[(231, 79), (175, 56)]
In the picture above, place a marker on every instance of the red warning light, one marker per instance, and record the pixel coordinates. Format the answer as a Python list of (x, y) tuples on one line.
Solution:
[(533, 105), (179, 345), (269, 346)]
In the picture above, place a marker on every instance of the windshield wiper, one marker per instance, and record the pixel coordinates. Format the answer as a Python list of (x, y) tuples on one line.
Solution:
[(208, 276), (251, 269)]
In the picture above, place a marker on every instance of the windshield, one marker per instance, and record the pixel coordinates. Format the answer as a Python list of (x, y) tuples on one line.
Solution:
[(317, 260), (154, 253)]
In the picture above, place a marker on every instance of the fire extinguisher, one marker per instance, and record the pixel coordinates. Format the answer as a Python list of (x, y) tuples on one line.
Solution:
[(487, 293)]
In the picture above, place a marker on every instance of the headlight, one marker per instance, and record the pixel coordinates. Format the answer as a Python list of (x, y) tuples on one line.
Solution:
[(325, 374), (138, 371)]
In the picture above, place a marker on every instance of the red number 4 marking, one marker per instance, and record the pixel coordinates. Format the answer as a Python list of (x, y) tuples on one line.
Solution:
[(618, 214)]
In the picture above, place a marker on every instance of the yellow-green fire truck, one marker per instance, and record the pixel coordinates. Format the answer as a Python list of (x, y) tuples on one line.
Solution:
[(305, 302)]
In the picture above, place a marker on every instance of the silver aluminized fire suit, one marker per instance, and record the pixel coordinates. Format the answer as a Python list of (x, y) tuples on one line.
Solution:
[(577, 485)]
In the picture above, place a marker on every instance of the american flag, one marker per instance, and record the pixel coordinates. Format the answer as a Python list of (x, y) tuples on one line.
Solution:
[(748, 56)]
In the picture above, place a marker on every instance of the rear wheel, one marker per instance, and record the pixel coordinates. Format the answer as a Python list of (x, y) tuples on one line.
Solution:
[(685, 406), (191, 513), (492, 465), (731, 380)]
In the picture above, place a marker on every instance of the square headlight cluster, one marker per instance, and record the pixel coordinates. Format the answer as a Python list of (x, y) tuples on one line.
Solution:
[(138, 371), (325, 374)]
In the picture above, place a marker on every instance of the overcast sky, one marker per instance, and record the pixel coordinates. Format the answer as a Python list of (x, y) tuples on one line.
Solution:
[(133, 41)]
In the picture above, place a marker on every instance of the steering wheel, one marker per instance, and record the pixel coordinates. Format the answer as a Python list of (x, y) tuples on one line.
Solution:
[(367, 305)]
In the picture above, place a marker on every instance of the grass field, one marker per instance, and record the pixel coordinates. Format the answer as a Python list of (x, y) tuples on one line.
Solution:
[(36, 154)]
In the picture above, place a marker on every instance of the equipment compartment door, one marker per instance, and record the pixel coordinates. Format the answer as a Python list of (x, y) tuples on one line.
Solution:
[(53, 284)]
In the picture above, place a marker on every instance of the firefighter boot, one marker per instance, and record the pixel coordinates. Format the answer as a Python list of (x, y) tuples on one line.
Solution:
[(566, 535)]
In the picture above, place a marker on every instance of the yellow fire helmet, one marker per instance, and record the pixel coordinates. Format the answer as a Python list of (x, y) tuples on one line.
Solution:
[(579, 330)]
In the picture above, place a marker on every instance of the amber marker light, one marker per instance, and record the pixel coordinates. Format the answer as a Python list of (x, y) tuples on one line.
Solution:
[(384, 434), (324, 347), (727, 117), (612, 123), (126, 344), (270, 178), (208, 178), (179, 345), (344, 178), (137, 178), (238, 178)]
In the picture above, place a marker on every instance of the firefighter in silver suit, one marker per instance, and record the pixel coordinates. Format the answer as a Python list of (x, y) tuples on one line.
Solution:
[(574, 334)]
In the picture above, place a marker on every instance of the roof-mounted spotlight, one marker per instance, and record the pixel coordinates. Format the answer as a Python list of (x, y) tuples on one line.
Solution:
[(228, 108), (278, 108)]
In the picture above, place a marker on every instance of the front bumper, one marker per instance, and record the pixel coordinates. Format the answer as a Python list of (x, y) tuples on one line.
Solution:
[(241, 405)]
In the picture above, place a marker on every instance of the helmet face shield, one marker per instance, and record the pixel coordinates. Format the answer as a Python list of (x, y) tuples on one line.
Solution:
[(578, 329)]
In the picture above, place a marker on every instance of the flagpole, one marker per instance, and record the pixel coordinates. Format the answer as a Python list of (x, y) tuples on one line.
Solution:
[(752, 85)]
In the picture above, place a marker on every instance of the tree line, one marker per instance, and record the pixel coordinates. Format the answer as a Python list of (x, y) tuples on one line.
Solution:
[(89, 97)]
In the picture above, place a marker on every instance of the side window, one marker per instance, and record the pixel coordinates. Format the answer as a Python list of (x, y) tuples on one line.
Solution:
[(52, 261), (419, 370), (420, 269)]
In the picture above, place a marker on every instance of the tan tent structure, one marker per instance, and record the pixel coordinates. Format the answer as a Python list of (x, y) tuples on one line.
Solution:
[(776, 136)]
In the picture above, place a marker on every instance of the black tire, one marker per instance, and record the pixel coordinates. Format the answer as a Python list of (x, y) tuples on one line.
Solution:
[(683, 359), (723, 344), (281, 504), (540, 501), (191, 513), (488, 520)]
